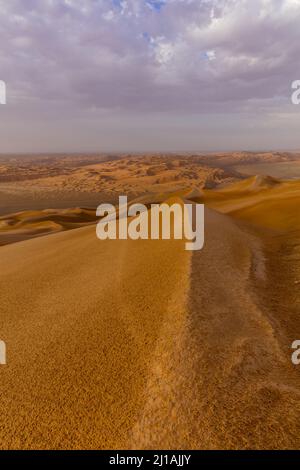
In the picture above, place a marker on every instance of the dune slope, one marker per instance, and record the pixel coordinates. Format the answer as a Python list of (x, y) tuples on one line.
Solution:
[(81, 319), (30, 224)]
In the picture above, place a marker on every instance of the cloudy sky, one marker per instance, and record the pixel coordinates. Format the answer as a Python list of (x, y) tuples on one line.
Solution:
[(133, 75)]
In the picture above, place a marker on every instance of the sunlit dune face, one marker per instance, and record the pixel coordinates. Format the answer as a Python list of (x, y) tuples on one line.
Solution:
[(261, 201)]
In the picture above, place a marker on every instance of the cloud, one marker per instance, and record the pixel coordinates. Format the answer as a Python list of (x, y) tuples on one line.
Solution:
[(143, 56)]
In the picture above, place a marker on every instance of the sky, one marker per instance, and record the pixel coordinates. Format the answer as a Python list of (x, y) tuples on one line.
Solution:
[(149, 75)]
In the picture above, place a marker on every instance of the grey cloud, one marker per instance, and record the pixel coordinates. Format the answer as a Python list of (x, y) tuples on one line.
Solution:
[(192, 57)]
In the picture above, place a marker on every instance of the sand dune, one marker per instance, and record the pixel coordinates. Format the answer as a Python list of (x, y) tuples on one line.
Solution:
[(66, 181), (132, 175), (80, 348), (139, 344), (30, 224), (63, 181), (261, 201)]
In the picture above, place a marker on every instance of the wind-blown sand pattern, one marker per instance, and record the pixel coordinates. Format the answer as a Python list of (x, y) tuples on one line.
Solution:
[(141, 344)]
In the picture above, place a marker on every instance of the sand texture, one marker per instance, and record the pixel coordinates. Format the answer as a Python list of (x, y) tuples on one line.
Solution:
[(141, 344)]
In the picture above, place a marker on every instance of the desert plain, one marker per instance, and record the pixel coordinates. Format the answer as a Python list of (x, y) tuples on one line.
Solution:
[(140, 344)]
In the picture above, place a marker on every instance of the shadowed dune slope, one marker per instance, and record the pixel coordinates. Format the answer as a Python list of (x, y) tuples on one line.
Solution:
[(30, 224), (140, 344)]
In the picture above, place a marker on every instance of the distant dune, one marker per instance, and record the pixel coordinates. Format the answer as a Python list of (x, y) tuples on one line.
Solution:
[(29, 224), (39, 182), (260, 200), (131, 176)]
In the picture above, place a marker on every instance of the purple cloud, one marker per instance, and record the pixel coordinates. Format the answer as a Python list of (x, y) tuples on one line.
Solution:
[(135, 56)]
